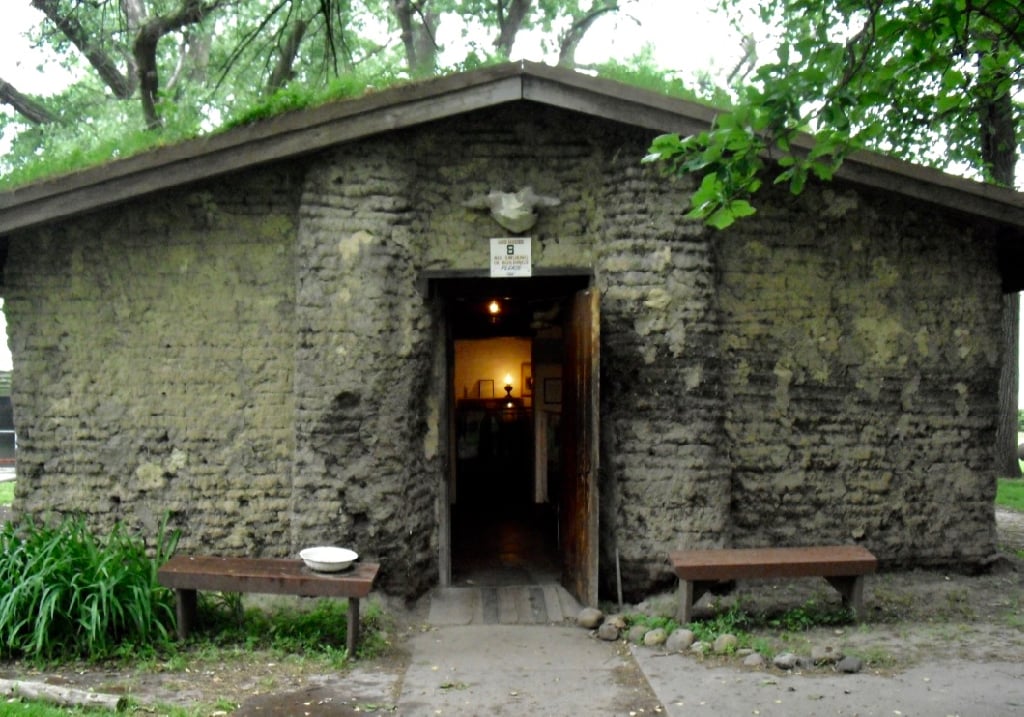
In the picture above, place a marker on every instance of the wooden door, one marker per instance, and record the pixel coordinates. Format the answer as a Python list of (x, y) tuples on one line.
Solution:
[(444, 367), (579, 506)]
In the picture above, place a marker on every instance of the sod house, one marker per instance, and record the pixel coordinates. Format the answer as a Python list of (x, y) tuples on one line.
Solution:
[(408, 322)]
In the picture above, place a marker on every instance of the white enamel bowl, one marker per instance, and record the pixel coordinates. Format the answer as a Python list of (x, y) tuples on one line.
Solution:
[(326, 559)]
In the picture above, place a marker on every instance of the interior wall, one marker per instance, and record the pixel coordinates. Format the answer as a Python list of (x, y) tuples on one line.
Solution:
[(478, 361)]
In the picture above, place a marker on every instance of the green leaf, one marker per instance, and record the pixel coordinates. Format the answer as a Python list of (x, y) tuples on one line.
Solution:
[(948, 103), (721, 219), (741, 208)]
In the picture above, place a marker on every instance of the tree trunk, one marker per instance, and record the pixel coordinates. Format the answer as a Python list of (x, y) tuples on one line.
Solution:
[(510, 20), (149, 77), (418, 29), (1007, 463), (999, 152), (144, 48), (286, 58)]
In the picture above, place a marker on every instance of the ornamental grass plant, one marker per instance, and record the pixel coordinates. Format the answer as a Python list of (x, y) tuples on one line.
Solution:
[(66, 593)]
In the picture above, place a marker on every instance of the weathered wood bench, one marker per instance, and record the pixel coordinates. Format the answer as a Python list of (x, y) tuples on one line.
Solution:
[(280, 576), (844, 566)]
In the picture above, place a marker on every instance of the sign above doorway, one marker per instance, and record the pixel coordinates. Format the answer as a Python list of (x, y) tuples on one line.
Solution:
[(511, 257)]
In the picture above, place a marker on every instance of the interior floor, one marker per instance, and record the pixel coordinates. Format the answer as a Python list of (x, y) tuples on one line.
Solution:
[(504, 546)]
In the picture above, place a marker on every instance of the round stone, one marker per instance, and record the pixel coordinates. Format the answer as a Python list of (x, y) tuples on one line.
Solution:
[(754, 659), (850, 665), (725, 643), (589, 618), (636, 634), (785, 661), (655, 637), (825, 655), (679, 640), (608, 632)]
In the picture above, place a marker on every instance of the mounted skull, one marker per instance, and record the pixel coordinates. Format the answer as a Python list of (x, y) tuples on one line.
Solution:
[(515, 211)]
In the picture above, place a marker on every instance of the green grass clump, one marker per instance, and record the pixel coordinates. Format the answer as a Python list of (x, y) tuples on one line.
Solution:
[(734, 621), (653, 622), (810, 615), (1010, 493), (67, 593), (7, 492), (320, 630)]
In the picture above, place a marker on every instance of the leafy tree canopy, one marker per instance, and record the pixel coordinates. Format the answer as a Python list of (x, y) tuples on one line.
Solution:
[(156, 71), (935, 82)]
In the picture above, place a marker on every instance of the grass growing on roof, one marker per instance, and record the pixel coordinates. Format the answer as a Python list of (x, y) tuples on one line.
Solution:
[(62, 150)]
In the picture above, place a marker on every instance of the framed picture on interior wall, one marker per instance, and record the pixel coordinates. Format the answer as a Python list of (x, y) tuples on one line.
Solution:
[(526, 378), (485, 388), (552, 390)]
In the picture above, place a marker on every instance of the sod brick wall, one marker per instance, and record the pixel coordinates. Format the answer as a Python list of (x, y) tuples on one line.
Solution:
[(258, 357)]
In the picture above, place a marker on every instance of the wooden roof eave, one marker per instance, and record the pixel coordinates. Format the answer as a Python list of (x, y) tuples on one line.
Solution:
[(286, 136), (297, 133), (962, 196)]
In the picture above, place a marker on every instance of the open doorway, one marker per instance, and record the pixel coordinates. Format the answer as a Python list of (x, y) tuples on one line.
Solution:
[(513, 513), (504, 526)]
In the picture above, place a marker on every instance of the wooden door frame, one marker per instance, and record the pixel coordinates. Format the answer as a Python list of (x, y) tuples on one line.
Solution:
[(442, 287)]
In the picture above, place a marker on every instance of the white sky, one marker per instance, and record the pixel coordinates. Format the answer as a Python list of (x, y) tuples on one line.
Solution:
[(685, 35)]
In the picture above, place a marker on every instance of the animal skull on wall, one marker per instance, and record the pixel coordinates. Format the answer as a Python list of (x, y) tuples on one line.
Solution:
[(515, 211)]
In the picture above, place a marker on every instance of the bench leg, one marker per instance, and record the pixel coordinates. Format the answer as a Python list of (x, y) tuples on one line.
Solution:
[(353, 627), (851, 587), (185, 609), (686, 600), (690, 591)]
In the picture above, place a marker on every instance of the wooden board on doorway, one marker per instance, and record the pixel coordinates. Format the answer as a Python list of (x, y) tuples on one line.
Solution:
[(580, 415)]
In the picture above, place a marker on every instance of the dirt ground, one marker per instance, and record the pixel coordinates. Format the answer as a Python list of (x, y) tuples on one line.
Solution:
[(915, 617)]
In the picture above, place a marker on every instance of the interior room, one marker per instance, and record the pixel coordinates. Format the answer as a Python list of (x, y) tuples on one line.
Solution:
[(507, 398)]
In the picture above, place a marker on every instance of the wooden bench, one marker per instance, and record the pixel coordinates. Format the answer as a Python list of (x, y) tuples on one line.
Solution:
[(188, 574), (844, 566)]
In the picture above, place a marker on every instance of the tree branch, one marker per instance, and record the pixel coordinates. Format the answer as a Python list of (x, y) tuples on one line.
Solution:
[(419, 42), (509, 24), (282, 71), (32, 110), (123, 86), (249, 38), (144, 49), (574, 35)]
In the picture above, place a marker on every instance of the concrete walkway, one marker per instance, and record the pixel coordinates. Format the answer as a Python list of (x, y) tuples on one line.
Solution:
[(511, 663), (513, 650), (521, 670), (688, 687)]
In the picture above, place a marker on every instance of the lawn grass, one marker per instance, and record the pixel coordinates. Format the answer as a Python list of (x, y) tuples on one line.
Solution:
[(1010, 493), (39, 709), (30, 708), (7, 492)]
